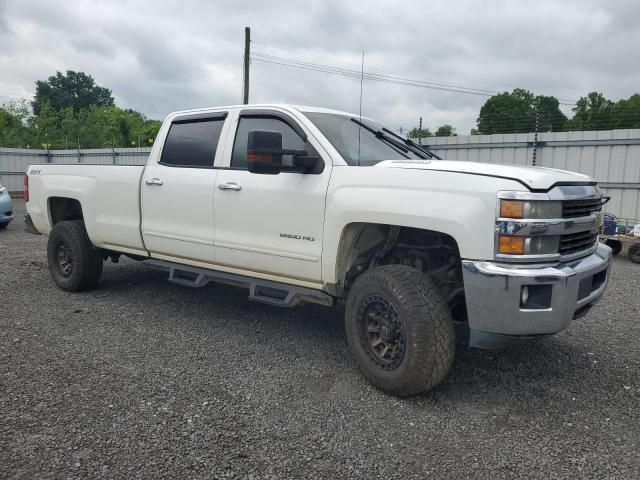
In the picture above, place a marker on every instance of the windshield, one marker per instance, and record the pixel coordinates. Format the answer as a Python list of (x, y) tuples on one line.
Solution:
[(359, 145)]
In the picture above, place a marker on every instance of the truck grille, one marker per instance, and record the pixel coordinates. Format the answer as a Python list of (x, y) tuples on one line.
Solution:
[(581, 208), (576, 242)]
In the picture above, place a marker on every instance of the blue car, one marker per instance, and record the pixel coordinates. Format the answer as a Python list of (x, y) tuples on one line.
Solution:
[(6, 208)]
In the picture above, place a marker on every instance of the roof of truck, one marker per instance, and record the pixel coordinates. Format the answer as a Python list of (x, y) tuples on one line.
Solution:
[(301, 108)]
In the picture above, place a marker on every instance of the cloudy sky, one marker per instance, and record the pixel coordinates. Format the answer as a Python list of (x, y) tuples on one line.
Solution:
[(164, 55)]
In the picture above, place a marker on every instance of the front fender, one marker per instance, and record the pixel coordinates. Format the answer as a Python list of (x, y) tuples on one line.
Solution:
[(461, 206)]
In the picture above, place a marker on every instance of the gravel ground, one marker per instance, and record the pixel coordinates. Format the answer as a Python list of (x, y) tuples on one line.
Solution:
[(144, 379)]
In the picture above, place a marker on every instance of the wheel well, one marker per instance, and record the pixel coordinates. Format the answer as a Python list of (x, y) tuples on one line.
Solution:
[(62, 208), (365, 245)]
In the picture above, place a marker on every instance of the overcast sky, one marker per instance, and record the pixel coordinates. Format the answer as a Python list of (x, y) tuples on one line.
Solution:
[(162, 56)]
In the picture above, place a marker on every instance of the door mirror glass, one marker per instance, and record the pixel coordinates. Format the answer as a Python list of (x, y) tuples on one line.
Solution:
[(265, 152)]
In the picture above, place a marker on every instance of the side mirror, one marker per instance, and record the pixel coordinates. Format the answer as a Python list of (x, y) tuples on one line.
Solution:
[(264, 152), (264, 155)]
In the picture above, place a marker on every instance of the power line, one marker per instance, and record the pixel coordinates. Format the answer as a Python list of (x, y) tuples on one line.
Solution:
[(355, 74), (388, 78), (354, 66)]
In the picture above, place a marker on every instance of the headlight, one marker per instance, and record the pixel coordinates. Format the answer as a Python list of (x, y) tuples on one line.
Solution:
[(530, 209), (3, 190), (517, 245)]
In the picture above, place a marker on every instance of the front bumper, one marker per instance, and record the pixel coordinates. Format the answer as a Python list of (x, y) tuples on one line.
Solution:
[(493, 296)]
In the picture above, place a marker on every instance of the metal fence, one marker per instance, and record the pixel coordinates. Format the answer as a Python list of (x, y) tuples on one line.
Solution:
[(14, 161), (612, 157)]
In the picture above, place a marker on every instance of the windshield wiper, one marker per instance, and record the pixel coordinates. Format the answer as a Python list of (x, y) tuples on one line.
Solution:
[(394, 144), (415, 147)]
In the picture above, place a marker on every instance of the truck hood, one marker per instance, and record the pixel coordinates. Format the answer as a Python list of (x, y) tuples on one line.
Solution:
[(535, 178)]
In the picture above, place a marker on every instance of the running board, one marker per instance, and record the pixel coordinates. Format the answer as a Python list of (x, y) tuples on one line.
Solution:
[(264, 291)]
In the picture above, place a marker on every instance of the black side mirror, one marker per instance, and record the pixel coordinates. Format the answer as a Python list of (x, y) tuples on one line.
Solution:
[(264, 152), (264, 155)]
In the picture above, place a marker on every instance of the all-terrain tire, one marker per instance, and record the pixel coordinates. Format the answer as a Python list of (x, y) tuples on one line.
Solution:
[(429, 336), (74, 263)]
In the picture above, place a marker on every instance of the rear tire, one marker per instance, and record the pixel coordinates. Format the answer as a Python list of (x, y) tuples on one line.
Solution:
[(399, 330), (634, 253), (4, 225), (74, 263)]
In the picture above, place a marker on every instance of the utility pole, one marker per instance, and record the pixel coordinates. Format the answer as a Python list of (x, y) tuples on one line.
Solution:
[(535, 138), (247, 51)]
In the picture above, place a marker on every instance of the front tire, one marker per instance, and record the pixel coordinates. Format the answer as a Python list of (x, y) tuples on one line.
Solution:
[(399, 330), (74, 263)]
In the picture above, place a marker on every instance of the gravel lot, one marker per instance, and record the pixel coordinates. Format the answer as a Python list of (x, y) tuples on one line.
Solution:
[(144, 379)]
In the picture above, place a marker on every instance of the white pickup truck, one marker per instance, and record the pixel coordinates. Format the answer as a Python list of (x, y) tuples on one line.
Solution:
[(315, 205)]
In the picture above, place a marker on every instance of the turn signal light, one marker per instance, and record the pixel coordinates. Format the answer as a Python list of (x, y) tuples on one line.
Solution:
[(259, 158), (511, 209), (511, 245)]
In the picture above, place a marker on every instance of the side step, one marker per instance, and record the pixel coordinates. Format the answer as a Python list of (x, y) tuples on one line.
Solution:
[(264, 291)]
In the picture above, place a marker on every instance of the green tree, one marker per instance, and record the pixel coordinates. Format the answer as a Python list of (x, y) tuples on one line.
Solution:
[(593, 112), (148, 132), (420, 133), (550, 117), (515, 112), (14, 131), (69, 127), (507, 113), (73, 89), (626, 112), (44, 131), (445, 131)]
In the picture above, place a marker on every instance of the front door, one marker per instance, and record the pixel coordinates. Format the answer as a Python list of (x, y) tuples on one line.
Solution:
[(178, 191), (270, 223)]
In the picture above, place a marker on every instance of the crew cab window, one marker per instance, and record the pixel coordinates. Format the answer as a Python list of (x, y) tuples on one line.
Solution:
[(192, 143), (290, 139)]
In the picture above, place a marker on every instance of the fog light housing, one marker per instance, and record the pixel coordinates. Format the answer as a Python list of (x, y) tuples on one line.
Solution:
[(524, 296), (536, 297)]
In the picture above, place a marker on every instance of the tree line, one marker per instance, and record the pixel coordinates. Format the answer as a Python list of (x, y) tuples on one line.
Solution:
[(71, 111), (521, 111)]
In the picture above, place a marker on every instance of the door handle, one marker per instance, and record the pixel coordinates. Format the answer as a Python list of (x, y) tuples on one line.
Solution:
[(153, 181), (230, 186)]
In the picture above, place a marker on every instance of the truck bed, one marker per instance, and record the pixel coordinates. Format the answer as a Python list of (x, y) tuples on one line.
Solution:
[(109, 195)]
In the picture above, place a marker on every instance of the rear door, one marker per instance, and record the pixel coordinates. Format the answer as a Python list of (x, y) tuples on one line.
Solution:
[(270, 223), (178, 190)]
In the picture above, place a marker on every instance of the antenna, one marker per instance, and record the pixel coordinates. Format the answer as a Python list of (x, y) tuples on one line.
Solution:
[(360, 126)]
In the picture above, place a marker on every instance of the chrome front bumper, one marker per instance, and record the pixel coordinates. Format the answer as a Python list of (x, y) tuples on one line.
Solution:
[(493, 296)]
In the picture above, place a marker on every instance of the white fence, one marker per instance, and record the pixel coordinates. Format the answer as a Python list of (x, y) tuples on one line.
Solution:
[(612, 157)]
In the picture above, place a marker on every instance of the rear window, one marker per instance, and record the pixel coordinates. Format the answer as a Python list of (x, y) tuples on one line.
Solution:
[(192, 143)]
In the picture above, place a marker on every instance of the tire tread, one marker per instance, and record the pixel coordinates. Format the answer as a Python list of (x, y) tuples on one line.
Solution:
[(88, 260), (435, 336)]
